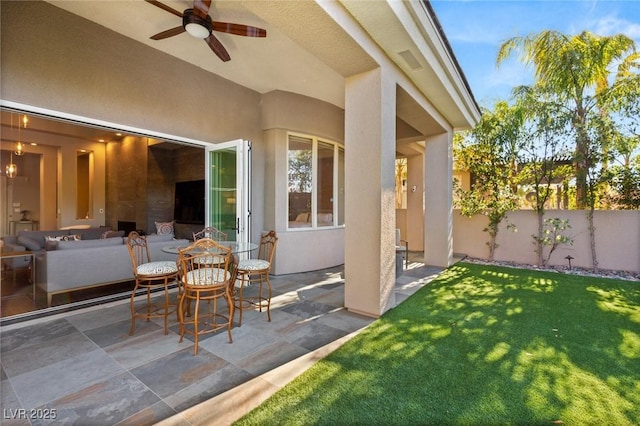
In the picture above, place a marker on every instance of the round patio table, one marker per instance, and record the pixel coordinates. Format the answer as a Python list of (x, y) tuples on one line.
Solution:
[(237, 247)]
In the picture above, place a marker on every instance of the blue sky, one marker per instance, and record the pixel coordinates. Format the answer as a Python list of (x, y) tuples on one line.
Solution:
[(477, 28)]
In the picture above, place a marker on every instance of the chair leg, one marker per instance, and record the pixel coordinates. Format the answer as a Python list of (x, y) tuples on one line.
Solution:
[(231, 308), (148, 302), (240, 307), (178, 299), (166, 306), (268, 298), (181, 315), (195, 323)]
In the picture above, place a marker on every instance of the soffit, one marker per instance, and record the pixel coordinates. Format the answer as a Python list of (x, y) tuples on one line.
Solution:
[(295, 56), (306, 51), (405, 31)]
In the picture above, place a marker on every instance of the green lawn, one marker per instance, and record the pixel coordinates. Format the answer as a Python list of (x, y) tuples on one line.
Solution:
[(482, 345)]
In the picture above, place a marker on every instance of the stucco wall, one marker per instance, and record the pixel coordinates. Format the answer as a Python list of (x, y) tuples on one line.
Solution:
[(617, 238), (298, 250)]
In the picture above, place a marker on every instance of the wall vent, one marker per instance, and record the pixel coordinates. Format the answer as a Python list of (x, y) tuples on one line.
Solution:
[(410, 60)]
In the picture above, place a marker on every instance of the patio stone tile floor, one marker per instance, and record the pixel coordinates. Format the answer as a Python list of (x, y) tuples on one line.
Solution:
[(82, 367)]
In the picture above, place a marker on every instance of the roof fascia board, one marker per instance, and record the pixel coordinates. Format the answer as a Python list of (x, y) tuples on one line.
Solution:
[(439, 52)]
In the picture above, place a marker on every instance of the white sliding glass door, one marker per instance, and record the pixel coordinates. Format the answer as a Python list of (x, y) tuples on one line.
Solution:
[(228, 183)]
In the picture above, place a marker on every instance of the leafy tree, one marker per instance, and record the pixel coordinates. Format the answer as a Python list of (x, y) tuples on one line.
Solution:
[(576, 70), (300, 169), (624, 177), (611, 130), (601, 133), (489, 153), (625, 183), (544, 146)]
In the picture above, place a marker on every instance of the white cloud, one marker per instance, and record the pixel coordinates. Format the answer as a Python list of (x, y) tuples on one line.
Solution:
[(610, 25), (497, 83), (474, 33)]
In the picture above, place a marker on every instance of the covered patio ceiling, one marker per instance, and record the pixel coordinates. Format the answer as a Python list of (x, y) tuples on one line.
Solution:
[(278, 62), (306, 51)]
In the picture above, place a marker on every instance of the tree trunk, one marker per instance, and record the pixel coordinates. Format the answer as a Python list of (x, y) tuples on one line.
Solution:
[(539, 245), (493, 233), (581, 163), (592, 239)]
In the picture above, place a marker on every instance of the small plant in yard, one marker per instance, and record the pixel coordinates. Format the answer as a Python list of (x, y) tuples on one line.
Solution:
[(552, 237)]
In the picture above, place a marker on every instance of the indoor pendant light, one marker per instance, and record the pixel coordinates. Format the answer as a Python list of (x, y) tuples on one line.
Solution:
[(12, 169), (19, 149), (19, 145)]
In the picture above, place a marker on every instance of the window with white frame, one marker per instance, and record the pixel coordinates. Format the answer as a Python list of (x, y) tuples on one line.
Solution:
[(315, 182)]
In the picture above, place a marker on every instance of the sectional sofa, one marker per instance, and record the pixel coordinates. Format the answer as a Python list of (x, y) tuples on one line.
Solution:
[(75, 259)]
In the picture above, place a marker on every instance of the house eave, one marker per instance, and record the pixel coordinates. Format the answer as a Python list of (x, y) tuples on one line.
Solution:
[(412, 38)]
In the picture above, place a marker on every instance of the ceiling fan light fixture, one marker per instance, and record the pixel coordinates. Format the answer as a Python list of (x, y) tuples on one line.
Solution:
[(195, 25)]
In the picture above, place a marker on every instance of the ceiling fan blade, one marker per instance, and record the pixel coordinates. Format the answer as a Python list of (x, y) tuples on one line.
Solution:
[(165, 7), (168, 33), (201, 7), (239, 29), (217, 48)]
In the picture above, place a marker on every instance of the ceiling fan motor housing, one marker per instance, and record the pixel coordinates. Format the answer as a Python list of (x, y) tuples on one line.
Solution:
[(196, 25)]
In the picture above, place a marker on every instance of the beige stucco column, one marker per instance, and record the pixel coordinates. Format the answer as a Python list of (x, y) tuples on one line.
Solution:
[(415, 203), (370, 111), (438, 213)]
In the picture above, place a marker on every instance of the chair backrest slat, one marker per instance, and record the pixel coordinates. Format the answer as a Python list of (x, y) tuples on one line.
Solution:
[(211, 233), (204, 263), (138, 250), (268, 243)]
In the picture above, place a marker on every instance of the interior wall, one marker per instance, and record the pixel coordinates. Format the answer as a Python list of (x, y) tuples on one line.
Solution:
[(127, 182), (23, 191), (53, 160), (67, 190), (161, 176)]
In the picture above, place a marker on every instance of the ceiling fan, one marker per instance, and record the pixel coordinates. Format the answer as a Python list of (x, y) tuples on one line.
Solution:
[(197, 22)]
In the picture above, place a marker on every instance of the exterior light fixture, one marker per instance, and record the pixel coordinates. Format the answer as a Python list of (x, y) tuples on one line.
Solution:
[(569, 258)]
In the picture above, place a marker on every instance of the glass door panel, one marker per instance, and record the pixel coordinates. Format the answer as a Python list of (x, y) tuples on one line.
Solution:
[(228, 189)]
